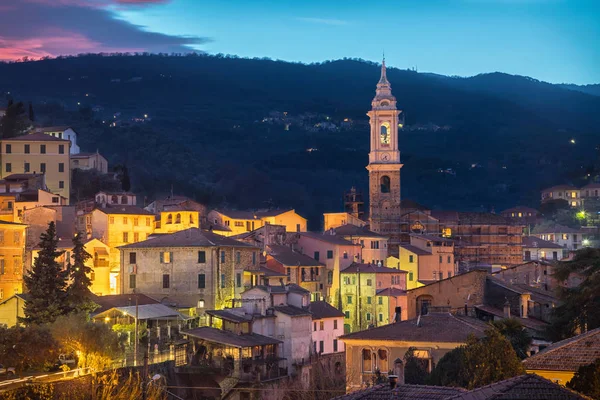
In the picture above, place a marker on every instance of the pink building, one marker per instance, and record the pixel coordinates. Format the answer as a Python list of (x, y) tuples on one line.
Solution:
[(332, 250), (328, 326)]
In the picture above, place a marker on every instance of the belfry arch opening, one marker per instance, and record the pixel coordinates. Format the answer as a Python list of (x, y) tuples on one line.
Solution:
[(385, 184)]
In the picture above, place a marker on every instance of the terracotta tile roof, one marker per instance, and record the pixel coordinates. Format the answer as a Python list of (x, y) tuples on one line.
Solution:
[(391, 292), (322, 309), (535, 242), (434, 327), (568, 354), (353, 230), (537, 295), (37, 137), (371, 269), (230, 315), (524, 387), (230, 338), (593, 185), (415, 250), (60, 128), (289, 257), (531, 323), (521, 209), (329, 238), (556, 228), (125, 210), (192, 237), (19, 177), (402, 392)]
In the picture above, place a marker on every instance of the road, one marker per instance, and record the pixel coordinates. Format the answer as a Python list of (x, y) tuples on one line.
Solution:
[(16, 383)]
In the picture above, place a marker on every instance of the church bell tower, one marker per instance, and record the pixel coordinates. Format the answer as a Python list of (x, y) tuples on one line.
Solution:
[(384, 161)]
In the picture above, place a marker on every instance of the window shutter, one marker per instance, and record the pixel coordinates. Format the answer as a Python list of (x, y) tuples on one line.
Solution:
[(171, 256), (161, 258)]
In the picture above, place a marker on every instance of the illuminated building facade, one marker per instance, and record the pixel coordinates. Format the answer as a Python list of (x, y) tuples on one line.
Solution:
[(12, 254)]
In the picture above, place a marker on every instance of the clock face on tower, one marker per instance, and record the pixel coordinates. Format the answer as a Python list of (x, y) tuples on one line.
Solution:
[(385, 157)]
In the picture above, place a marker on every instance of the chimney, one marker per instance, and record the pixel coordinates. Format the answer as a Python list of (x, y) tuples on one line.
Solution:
[(393, 380), (507, 309), (524, 303), (399, 371)]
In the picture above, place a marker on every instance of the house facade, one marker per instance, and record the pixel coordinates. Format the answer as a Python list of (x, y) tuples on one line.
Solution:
[(12, 256), (327, 327), (89, 161)]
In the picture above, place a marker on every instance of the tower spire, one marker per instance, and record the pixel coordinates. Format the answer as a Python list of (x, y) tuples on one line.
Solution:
[(383, 80)]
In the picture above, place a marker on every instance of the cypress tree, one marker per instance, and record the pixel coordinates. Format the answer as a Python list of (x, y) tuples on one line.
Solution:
[(78, 292), (46, 282), (125, 182), (31, 113)]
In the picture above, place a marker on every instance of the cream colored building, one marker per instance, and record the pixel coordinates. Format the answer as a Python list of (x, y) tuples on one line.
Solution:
[(232, 222), (38, 153), (334, 220), (569, 193), (87, 161), (12, 254), (292, 221), (374, 247), (62, 132), (12, 309)]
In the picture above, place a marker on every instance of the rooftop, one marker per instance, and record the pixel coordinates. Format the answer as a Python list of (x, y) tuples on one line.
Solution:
[(533, 242), (402, 392), (289, 257), (38, 137), (155, 311), (235, 214), (60, 128), (537, 295), (553, 228), (230, 338), (415, 250), (123, 210), (329, 238), (432, 238), (322, 309), (394, 292), (353, 230), (521, 209), (560, 187), (230, 315), (292, 311), (193, 237), (568, 354), (370, 268), (272, 213), (434, 327), (470, 218)]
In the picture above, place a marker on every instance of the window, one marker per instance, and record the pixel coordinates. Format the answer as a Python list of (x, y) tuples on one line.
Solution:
[(61, 149), (42, 148), (347, 314), (297, 227), (345, 255), (8, 167), (169, 219), (316, 257), (125, 237), (125, 221), (335, 345), (61, 184), (136, 237), (1, 266), (382, 358), (166, 281), (565, 236), (380, 317), (136, 221), (368, 300), (385, 184), (315, 347), (354, 280), (26, 167), (123, 199), (315, 326), (349, 300), (238, 279), (411, 258), (321, 325), (449, 259), (27, 150), (111, 220), (440, 259), (191, 219), (132, 257), (61, 167), (166, 257), (380, 300), (384, 133), (329, 254), (335, 324), (235, 223), (321, 347), (374, 244), (201, 257), (368, 316), (367, 360), (329, 277), (238, 257), (8, 149), (147, 221), (449, 274), (201, 281), (369, 282), (132, 281), (253, 258), (222, 281), (222, 256), (178, 219)]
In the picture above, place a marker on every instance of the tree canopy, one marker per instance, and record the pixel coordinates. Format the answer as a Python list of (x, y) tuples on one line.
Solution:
[(79, 297), (587, 380), (15, 121), (580, 308), (515, 332)]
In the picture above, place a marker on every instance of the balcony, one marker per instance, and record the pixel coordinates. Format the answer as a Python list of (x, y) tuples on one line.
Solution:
[(246, 369), (101, 264)]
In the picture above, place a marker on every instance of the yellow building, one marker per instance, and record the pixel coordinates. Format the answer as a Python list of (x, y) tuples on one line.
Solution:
[(7, 207), (380, 348), (176, 220), (87, 161), (40, 153), (118, 226), (334, 220), (559, 361), (12, 252), (292, 221)]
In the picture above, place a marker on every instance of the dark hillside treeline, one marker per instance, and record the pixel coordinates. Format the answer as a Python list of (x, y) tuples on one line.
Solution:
[(505, 137)]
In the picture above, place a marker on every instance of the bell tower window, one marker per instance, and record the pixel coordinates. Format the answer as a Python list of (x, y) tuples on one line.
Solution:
[(384, 131), (385, 184)]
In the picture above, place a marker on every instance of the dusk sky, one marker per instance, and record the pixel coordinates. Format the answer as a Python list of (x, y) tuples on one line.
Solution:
[(551, 40)]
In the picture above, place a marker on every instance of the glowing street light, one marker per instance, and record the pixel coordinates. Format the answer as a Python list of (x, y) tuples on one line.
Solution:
[(573, 141)]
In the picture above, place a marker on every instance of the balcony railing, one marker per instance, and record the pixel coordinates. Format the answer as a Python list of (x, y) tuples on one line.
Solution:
[(246, 370)]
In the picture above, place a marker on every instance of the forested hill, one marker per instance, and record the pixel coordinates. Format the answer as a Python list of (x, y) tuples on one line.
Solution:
[(251, 133)]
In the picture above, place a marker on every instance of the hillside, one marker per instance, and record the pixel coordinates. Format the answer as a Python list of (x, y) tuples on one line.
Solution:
[(213, 131)]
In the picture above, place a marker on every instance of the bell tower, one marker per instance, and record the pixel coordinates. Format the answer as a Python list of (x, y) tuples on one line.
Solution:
[(384, 160)]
